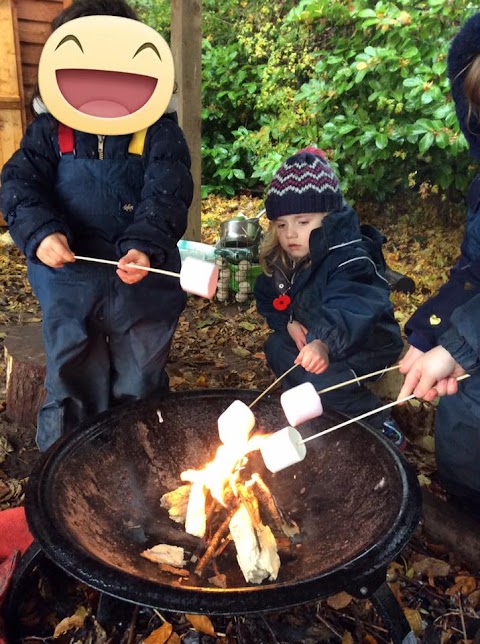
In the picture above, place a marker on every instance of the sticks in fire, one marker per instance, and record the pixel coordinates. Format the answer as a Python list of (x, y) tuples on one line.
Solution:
[(250, 517)]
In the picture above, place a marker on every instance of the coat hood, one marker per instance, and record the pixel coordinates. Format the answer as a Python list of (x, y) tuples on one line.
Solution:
[(463, 49)]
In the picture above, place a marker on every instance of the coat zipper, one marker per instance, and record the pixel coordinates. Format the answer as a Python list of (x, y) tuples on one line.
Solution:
[(101, 143)]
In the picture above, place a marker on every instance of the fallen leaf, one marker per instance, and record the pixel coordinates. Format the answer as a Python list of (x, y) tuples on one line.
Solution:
[(201, 623), (427, 443), (174, 639), (430, 566), (160, 635), (474, 599), (205, 322), (241, 352), (369, 639), (339, 601), (248, 326), (414, 620), (464, 585), (424, 480), (74, 621)]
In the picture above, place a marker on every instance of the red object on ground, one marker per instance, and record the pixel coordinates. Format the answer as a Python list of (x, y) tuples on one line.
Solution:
[(15, 537)]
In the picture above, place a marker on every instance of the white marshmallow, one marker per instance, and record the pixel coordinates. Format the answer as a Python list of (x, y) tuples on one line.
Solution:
[(282, 449), (236, 423), (199, 277), (301, 403)]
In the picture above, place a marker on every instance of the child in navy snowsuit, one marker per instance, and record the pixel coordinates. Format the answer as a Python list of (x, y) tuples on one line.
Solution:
[(323, 291), (107, 332), (447, 326)]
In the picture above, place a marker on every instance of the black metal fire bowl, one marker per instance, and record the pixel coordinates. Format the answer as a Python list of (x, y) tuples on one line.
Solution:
[(93, 504)]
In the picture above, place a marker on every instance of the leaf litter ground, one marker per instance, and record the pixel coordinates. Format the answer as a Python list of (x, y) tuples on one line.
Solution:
[(220, 346)]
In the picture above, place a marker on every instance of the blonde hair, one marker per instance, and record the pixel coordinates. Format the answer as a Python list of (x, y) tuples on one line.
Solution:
[(471, 85), (270, 251)]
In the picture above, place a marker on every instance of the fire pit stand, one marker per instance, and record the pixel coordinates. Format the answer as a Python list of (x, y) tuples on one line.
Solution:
[(92, 504)]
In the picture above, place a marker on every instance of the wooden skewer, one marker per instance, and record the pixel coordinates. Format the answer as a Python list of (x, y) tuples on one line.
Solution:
[(272, 386), (114, 263), (357, 378), (366, 414), (324, 391)]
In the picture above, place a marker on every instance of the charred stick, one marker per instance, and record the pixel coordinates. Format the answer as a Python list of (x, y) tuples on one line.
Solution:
[(267, 499), (215, 541), (222, 546)]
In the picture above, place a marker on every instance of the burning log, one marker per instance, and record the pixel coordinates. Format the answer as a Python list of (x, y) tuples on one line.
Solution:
[(196, 517), (176, 502), (249, 516), (257, 553)]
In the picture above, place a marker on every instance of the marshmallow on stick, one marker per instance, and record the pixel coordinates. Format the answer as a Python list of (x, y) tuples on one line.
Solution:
[(236, 423), (301, 403), (196, 276), (199, 277), (282, 449)]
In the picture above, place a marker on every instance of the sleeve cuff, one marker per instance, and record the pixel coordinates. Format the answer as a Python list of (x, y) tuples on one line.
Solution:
[(460, 350), (420, 341)]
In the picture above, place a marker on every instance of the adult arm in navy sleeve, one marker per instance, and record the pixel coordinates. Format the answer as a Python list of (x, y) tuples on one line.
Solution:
[(432, 319), (462, 338), (436, 372)]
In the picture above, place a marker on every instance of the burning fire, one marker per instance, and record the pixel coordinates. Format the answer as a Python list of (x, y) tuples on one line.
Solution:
[(219, 507), (222, 472)]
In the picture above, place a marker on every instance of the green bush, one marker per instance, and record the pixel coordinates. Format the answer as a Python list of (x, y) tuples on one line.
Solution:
[(364, 81)]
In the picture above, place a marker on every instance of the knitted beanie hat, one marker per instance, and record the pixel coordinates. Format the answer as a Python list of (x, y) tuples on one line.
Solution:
[(304, 183)]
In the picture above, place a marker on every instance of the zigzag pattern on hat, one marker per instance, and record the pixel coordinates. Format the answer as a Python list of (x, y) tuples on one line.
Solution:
[(305, 180), (304, 183), (325, 186)]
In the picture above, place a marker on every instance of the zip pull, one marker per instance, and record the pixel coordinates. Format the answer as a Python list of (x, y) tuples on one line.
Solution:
[(101, 143)]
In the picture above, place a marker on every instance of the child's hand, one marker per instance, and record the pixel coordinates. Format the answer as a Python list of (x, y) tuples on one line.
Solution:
[(54, 251), (298, 333), (128, 274), (409, 358), (434, 374), (314, 357)]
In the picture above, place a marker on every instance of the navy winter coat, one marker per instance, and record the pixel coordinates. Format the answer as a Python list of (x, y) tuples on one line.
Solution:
[(342, 297), (430, 322), (153, 220)]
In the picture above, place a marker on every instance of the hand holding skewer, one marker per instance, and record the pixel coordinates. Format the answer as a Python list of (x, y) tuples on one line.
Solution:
[(431, 374), (196, 276)]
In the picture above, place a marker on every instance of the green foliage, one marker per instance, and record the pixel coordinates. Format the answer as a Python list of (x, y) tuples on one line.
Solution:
[(155, 13), (366, 81), (380, 97)]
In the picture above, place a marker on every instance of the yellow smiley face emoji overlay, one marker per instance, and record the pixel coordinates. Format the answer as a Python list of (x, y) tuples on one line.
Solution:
[(106, 75)]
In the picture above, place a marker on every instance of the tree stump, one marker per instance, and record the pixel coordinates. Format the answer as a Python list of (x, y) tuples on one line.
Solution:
[(26, 368)]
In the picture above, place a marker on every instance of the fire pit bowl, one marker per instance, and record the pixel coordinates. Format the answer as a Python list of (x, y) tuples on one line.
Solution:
[(93, 504)]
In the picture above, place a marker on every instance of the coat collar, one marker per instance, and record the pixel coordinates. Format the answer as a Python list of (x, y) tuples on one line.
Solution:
[(338, 228)]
